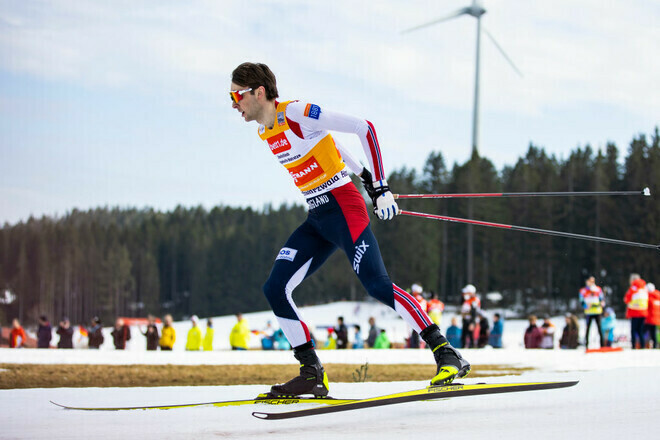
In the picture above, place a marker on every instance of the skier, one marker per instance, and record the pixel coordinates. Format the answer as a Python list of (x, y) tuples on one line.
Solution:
[(593, 301), (297, 134)]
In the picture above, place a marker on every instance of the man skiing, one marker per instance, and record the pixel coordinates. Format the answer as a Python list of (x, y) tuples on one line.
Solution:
[(297, 134)]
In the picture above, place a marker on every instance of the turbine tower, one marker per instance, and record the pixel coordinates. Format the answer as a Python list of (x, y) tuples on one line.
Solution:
[(476, 10)]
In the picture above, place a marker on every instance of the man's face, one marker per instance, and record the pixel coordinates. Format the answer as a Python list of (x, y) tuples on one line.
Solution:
[(248, 106)]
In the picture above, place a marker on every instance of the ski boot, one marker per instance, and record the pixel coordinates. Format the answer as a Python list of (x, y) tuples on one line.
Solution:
[(312, 379), (451, 364)]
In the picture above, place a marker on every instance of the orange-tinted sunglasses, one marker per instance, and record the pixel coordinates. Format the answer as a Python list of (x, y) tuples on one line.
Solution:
[(238, 95)]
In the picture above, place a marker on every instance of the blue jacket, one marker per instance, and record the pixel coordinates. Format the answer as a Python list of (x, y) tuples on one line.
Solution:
[(607, 324), (495, 339), (454, 336)]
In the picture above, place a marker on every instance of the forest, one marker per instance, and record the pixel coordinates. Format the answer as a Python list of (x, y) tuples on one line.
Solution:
[(112, 262)]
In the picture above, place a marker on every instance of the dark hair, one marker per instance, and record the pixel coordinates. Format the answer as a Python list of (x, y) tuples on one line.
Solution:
[(255, 75)]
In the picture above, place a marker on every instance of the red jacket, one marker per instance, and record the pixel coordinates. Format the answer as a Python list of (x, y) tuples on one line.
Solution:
[(14, 335), (637, 300), (653, 317)]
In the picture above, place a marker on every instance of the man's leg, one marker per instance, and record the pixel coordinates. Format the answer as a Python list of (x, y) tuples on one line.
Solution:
[(597, 318), (304, 252), (588, 327), (364, 254)]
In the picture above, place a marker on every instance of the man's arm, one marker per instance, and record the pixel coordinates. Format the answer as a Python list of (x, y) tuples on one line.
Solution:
[(313, 118)]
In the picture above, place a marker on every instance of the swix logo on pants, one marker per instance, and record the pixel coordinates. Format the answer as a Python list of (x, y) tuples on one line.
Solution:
[(360, 250)]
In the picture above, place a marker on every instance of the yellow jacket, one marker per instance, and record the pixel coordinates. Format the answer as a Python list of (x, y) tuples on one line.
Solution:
[(208, 339), (240, 335), (194, 341), (167, 337)]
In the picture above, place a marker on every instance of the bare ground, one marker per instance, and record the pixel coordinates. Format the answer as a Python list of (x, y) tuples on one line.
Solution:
[(56, 376)]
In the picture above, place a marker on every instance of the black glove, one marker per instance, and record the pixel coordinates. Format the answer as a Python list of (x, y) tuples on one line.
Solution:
[(368, 183)]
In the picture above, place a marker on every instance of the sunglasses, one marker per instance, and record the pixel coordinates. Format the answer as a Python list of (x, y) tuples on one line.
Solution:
[(238, 95)]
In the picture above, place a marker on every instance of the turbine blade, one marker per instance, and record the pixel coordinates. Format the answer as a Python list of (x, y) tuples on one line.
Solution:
[(454, 14), (506, 57)]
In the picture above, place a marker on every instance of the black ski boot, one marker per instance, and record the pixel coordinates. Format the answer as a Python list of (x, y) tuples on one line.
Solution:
[(451, 364), (312, 379)]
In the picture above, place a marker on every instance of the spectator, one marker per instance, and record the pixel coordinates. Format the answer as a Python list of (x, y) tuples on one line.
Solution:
[(608, 323), (548, 332), (208, 336), (637, 302), (168, 336), (593, 301), (268, 338), (469, 310), (382, 341), (570, 334), (359, 342), (95, 333), (454, 333), (120, 334), (533, 335), (44, 333), (194, 340), (435, 307), (331, 340), (484, 331), (66, 334), (240, 334), (495, 339), (17, 336), (373, 332), (151, 334), (342, 333), (281, 342), (653, 316), (418, 294)]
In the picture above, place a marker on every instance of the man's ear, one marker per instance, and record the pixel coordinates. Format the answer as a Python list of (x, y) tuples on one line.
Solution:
[(261, 91)]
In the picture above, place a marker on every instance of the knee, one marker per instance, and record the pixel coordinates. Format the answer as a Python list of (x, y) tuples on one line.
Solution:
[(381, 289), (274, 290)]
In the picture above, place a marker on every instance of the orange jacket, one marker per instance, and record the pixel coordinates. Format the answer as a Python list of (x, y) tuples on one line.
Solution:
[(637, 300), (14, 335), (653, 317)]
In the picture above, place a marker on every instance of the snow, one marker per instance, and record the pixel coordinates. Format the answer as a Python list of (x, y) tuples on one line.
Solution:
[(616, 396)]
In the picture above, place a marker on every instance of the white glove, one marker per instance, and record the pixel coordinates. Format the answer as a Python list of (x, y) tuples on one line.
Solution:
[(386, 208)]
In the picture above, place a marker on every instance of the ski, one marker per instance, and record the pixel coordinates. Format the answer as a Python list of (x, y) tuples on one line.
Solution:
[(262, 398), (437, 392)]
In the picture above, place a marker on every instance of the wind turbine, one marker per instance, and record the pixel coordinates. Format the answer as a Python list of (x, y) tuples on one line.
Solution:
[(476, 11)]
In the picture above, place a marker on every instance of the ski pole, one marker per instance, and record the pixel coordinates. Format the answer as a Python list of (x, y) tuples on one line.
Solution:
[(644, 192), (533, 230)]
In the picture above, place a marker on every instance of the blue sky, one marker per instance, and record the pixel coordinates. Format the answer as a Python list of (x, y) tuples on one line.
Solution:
[(124, 103)]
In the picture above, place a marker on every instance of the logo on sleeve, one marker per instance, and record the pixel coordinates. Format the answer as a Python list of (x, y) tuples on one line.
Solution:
[(287, 254), (312, 111)]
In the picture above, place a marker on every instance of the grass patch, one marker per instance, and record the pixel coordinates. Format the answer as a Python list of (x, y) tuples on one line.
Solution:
[(56, 375)]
